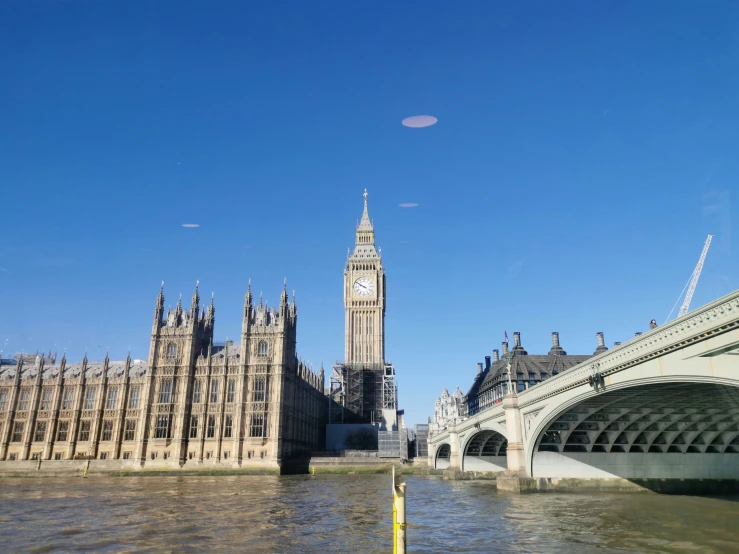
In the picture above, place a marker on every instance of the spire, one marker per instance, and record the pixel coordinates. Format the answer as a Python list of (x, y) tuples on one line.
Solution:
[(260, 298), (364, 244), (283, 296), (195, 300), (247, 296), (365, 224)]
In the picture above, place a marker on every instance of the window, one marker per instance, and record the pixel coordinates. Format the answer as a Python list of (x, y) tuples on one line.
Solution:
[(194, 427), (171, 351), (107, 430), (165, 391), (225, 455), (227, 427), (211, 427), (130, 433), (61, 433), (260, 386), (18, 431), (262, 348), (153, 455), (68, 398), (532, 383), (521, 386), (90, 399), (544, 375), (126, 455), (214, 391), (112, 399), (25, 397), (231, 390), (190, 455), (13, 457), (103, 455), (35, 455), (162, 431), (3, 400), (40, 431), (196, 391), (57, 455), (84, 430), (46, 399), (257, 425), (133, 399)]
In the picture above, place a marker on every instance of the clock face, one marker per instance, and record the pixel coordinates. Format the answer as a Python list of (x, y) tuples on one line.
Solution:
[(363, 286)]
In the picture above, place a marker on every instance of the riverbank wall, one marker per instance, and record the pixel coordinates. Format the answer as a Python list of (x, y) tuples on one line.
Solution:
[(707, 487), (324, 466)]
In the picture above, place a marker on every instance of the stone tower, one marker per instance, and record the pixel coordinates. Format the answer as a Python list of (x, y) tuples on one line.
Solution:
[(364, 298)]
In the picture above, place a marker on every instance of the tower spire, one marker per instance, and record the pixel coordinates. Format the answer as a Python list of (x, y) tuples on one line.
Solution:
[(365, 224)]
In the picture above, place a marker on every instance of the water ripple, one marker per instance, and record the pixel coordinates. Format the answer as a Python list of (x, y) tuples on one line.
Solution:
[(350, 513)]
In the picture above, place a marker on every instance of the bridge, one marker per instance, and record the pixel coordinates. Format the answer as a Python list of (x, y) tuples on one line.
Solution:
[(663, 406)]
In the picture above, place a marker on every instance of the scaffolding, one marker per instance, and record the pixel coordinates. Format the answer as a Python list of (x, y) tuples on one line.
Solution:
[(359, 393)]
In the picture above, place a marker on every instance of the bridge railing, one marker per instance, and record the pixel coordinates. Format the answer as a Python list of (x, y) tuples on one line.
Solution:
[(723, 311)]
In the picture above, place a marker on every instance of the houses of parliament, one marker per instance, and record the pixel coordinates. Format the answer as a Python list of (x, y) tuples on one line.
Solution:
[(193, 401)]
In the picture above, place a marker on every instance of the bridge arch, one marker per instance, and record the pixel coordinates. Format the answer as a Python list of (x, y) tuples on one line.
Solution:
[(485, 451), (652, 428), (442, 456)]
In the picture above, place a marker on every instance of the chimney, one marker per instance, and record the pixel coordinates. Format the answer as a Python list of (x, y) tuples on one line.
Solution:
[(556, 348), (616, 344), (505, 347), (479, 368), (601, 343), (517, 348), (637, 333), (496, 355), (487, 363)]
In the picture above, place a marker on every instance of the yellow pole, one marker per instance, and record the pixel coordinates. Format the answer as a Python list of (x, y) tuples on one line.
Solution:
[(399, 522)]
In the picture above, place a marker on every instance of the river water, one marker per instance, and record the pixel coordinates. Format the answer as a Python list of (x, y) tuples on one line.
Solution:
[(346, 513)]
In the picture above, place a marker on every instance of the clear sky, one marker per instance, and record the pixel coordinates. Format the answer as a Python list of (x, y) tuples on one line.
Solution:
[(583, 152)]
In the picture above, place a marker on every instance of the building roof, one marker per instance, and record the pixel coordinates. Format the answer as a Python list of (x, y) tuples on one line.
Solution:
[(527, 366)]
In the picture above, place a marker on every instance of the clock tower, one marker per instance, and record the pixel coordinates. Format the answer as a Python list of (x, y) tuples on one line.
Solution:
[(364, 299)]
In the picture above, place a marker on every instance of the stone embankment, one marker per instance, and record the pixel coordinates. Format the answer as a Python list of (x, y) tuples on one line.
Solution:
[(325, 466)]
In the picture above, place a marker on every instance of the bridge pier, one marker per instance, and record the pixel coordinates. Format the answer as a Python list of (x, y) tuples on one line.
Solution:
[(515, 478), (455, 457)]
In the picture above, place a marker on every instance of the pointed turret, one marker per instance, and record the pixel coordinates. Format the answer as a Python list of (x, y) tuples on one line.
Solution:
[(195, 304), (364, 245), (210, 316), (158, 310), (283, 296)]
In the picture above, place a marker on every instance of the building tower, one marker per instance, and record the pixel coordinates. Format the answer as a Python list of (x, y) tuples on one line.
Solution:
[(364, 383), (364, 298)]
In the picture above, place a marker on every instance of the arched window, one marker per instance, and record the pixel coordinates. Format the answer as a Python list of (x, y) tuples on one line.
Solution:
[(171, 351), (262, 348)]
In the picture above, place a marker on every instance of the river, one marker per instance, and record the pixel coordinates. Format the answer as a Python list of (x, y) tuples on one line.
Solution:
[(346, 513)]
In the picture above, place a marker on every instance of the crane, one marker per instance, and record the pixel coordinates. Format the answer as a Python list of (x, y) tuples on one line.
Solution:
[(693, 282)]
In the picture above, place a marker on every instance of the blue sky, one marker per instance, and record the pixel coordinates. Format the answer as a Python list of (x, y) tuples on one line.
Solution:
[(583, 152)]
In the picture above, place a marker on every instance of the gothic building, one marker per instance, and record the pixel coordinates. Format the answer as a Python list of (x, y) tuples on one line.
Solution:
[(193, 402), (515, 370), (363, 384)]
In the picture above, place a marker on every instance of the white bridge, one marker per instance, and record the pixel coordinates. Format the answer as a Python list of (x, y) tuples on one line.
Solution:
[(664, 405)]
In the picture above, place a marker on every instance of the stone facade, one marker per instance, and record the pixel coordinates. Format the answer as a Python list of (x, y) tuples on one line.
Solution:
[(448, 410), (193, 402)]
